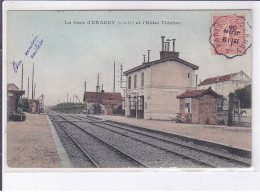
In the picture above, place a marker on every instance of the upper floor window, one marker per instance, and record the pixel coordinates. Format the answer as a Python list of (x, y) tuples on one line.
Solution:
[(188, 75), (129, 82), (142, 79), (135, 81)]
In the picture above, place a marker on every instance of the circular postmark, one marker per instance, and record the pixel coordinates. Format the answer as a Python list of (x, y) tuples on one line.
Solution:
[(230, 35)]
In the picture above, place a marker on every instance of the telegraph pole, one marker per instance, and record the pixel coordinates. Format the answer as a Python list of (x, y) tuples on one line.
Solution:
[(121, 77), (22, 78), (121, 82), (28, 89), (114, 77), (32, 79), (34, 90), (97, 88)]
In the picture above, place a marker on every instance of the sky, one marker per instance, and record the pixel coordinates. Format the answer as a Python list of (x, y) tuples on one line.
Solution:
[(71, 54)]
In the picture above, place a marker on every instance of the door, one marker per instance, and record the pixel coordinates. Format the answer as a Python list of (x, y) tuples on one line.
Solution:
[(140, 107), (133, 107)]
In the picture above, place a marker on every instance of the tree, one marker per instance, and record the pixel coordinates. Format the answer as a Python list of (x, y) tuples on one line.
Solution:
[(245, 96), (97, 109)]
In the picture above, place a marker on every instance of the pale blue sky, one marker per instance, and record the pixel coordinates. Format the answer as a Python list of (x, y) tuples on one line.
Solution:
[(72, 54)]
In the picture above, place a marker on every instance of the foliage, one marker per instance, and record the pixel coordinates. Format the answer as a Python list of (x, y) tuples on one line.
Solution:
[(73, 108), (245, 96), (97, 109), (24, 104), (119, 111), (207, 121)]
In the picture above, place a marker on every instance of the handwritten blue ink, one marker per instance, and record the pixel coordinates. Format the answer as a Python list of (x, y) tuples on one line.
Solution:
[(17, 65), (31, 45), (37, 47)]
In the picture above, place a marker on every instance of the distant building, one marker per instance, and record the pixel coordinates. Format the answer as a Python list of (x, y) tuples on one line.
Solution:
[(13, 96), (34, 106), (199, 106), (108, 101), (152, 87), (225, 84)]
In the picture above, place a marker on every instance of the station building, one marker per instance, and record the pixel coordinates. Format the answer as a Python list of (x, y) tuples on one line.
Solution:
[(108, 101), (34, 106), (153, 87)]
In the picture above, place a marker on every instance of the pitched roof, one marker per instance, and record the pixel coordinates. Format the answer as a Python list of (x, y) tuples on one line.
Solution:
[(12, 86), (197, 93), (217, 79), (172, 58), (106, 97)]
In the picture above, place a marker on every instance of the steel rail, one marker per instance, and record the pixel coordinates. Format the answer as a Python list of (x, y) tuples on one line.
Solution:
[(78, 145), (164, 149), (220, 156), (120, 152)]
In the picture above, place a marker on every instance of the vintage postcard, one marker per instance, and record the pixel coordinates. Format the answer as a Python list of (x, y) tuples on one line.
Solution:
[(128, 89)]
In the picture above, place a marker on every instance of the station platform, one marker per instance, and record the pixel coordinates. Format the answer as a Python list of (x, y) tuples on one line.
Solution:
[(239, 137), (30, 144)]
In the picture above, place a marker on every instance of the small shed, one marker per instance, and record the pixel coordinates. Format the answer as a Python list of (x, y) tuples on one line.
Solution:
[(13, 96), (34, 106), (199, 106)]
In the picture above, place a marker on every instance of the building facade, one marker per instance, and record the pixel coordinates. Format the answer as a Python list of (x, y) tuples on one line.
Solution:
[(199, 106), (153, 86), (108, 101), (13, 96), (225, 84)]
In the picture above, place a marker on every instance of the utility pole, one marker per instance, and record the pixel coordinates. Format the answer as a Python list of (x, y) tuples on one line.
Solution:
[(28, 89), (196, 81), (34, 90), (114, 89), (97, 88), (67, 97), (32, 79), (122, 81), (22, 78), (121, 77), (85, 86)]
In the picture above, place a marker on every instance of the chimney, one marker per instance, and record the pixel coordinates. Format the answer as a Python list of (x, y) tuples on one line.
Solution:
[(166, 53), (144, 58), (173, 45), (162, 42), (148, 60), (168, 44)]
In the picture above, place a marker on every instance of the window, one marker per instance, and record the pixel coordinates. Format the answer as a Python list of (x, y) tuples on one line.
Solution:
[(129, 82), (187, 105), (142, 79), (135, 80), (188, 75), (132, 103)]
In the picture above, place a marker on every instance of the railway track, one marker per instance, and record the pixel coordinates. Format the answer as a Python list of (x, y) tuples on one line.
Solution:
[(230, 160), (109, 132), (122, 158)]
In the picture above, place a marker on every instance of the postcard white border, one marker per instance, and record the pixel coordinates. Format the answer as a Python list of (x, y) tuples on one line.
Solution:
[(134, 179)]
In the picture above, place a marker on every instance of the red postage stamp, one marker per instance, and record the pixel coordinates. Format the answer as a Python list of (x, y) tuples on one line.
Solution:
[(229, 35)]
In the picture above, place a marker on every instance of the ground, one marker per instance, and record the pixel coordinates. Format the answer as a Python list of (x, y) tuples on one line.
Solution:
[(30, 143)]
